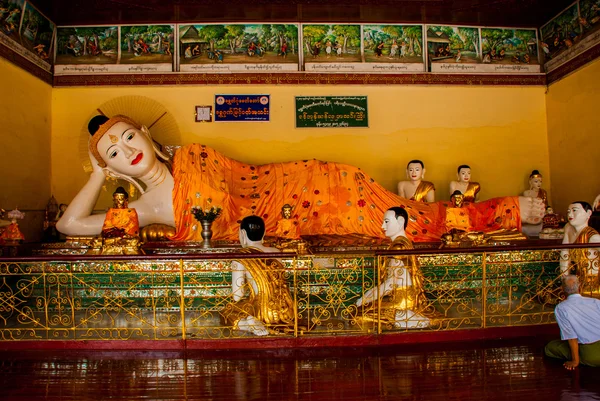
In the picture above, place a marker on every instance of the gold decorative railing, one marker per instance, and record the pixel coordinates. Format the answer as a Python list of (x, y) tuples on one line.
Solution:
[(168, 297)]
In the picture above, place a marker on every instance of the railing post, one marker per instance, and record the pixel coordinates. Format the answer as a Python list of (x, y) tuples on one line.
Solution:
[(182, 300), (483, 290)]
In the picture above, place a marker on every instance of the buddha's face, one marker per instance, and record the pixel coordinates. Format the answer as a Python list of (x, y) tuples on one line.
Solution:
[(392, 225), (577, 215), (464, 175), (415, 172), (126, 150), (535, 182), (119, 201), (457, 200), (286, 212)]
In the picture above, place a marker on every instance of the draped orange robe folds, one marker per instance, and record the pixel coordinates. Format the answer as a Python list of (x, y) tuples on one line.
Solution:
[(327, 198)]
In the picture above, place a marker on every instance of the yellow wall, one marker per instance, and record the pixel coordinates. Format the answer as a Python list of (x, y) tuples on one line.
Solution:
[(499, 131), (25, 108), (574, 136)]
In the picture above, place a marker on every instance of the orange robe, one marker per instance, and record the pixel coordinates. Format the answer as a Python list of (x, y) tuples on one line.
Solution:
[(327, 198), (422, 190), (471, 192), (12, 232), (126, 219)]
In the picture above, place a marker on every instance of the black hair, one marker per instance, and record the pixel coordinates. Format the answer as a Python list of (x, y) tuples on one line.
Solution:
[(415, 161), (534, 172), (121, 190), (586, 206), (400, 212), (462, 166), (457, 192), (95, 123), (254, 227)]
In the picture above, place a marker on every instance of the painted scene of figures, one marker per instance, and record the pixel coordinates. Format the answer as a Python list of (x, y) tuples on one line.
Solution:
[(509, 46), (10, 18), (147, 44), (561, 33), (453, 44), (589, 17), (393, 43), (331, 43), (238, 44), (87, 45)]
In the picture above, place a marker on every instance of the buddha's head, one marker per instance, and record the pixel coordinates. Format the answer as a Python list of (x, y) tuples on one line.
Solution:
[(286, 211), (415, 170), (252, 228), (464, 173), (578, 213), (122, 148), (535, 180), (395, 220), (120, 198), (457, 198)]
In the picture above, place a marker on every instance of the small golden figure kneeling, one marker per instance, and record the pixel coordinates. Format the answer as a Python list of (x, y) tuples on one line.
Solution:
[(121, 229)]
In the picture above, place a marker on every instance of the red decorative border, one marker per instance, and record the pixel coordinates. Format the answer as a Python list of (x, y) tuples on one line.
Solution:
[(25, 64), (575, 63), (297, 79), (306, 342)]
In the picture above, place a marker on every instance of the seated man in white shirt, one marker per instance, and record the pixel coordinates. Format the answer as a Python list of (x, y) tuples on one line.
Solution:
[(579, 321)]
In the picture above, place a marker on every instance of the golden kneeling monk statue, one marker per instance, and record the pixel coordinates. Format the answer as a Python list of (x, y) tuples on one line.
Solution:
[(121, 229), (401, 289), (269, 305)]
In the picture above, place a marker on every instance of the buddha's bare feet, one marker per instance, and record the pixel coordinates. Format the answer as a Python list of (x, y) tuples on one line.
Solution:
[(532, 209), (253, 325)]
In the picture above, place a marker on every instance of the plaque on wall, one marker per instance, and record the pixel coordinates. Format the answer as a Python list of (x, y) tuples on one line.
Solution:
[(242, 108), (331, 111)]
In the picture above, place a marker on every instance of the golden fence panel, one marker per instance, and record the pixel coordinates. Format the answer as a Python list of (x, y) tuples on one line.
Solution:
[(297, 296)]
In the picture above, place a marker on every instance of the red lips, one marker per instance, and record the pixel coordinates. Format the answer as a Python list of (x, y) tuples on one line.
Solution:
[(137, 159)]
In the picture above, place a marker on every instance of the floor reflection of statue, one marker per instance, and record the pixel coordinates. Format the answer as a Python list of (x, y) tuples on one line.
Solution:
[(401, 288), (581, 261), (464, 185), (269, 304), (415, 188), (332, 198), (121, 229)]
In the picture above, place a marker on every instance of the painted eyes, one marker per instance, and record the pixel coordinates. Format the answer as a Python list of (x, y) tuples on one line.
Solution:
[(113, 154), (130, 136)]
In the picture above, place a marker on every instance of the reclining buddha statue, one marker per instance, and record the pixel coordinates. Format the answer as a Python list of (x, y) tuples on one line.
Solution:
[(327, 198)]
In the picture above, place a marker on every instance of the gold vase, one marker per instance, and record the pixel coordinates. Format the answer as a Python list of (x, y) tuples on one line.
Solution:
[(206, 233)]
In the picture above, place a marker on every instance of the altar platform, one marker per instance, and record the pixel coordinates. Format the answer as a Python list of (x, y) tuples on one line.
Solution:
[(171, 299)]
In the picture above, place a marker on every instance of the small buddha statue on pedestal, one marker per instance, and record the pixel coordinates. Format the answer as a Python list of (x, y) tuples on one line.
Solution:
[(288, 232), (121, 229), (458, 225), (535, 187), (469, 189), (415, 188), (11, 234)]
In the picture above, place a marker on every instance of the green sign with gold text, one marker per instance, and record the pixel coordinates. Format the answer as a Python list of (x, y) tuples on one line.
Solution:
[(331, 111)]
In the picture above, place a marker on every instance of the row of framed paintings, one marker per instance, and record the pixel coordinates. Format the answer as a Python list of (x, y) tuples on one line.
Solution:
[(347, 48), (285, 47)]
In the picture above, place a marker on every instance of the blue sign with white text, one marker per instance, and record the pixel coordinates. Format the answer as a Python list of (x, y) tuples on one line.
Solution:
[(242, 107)]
